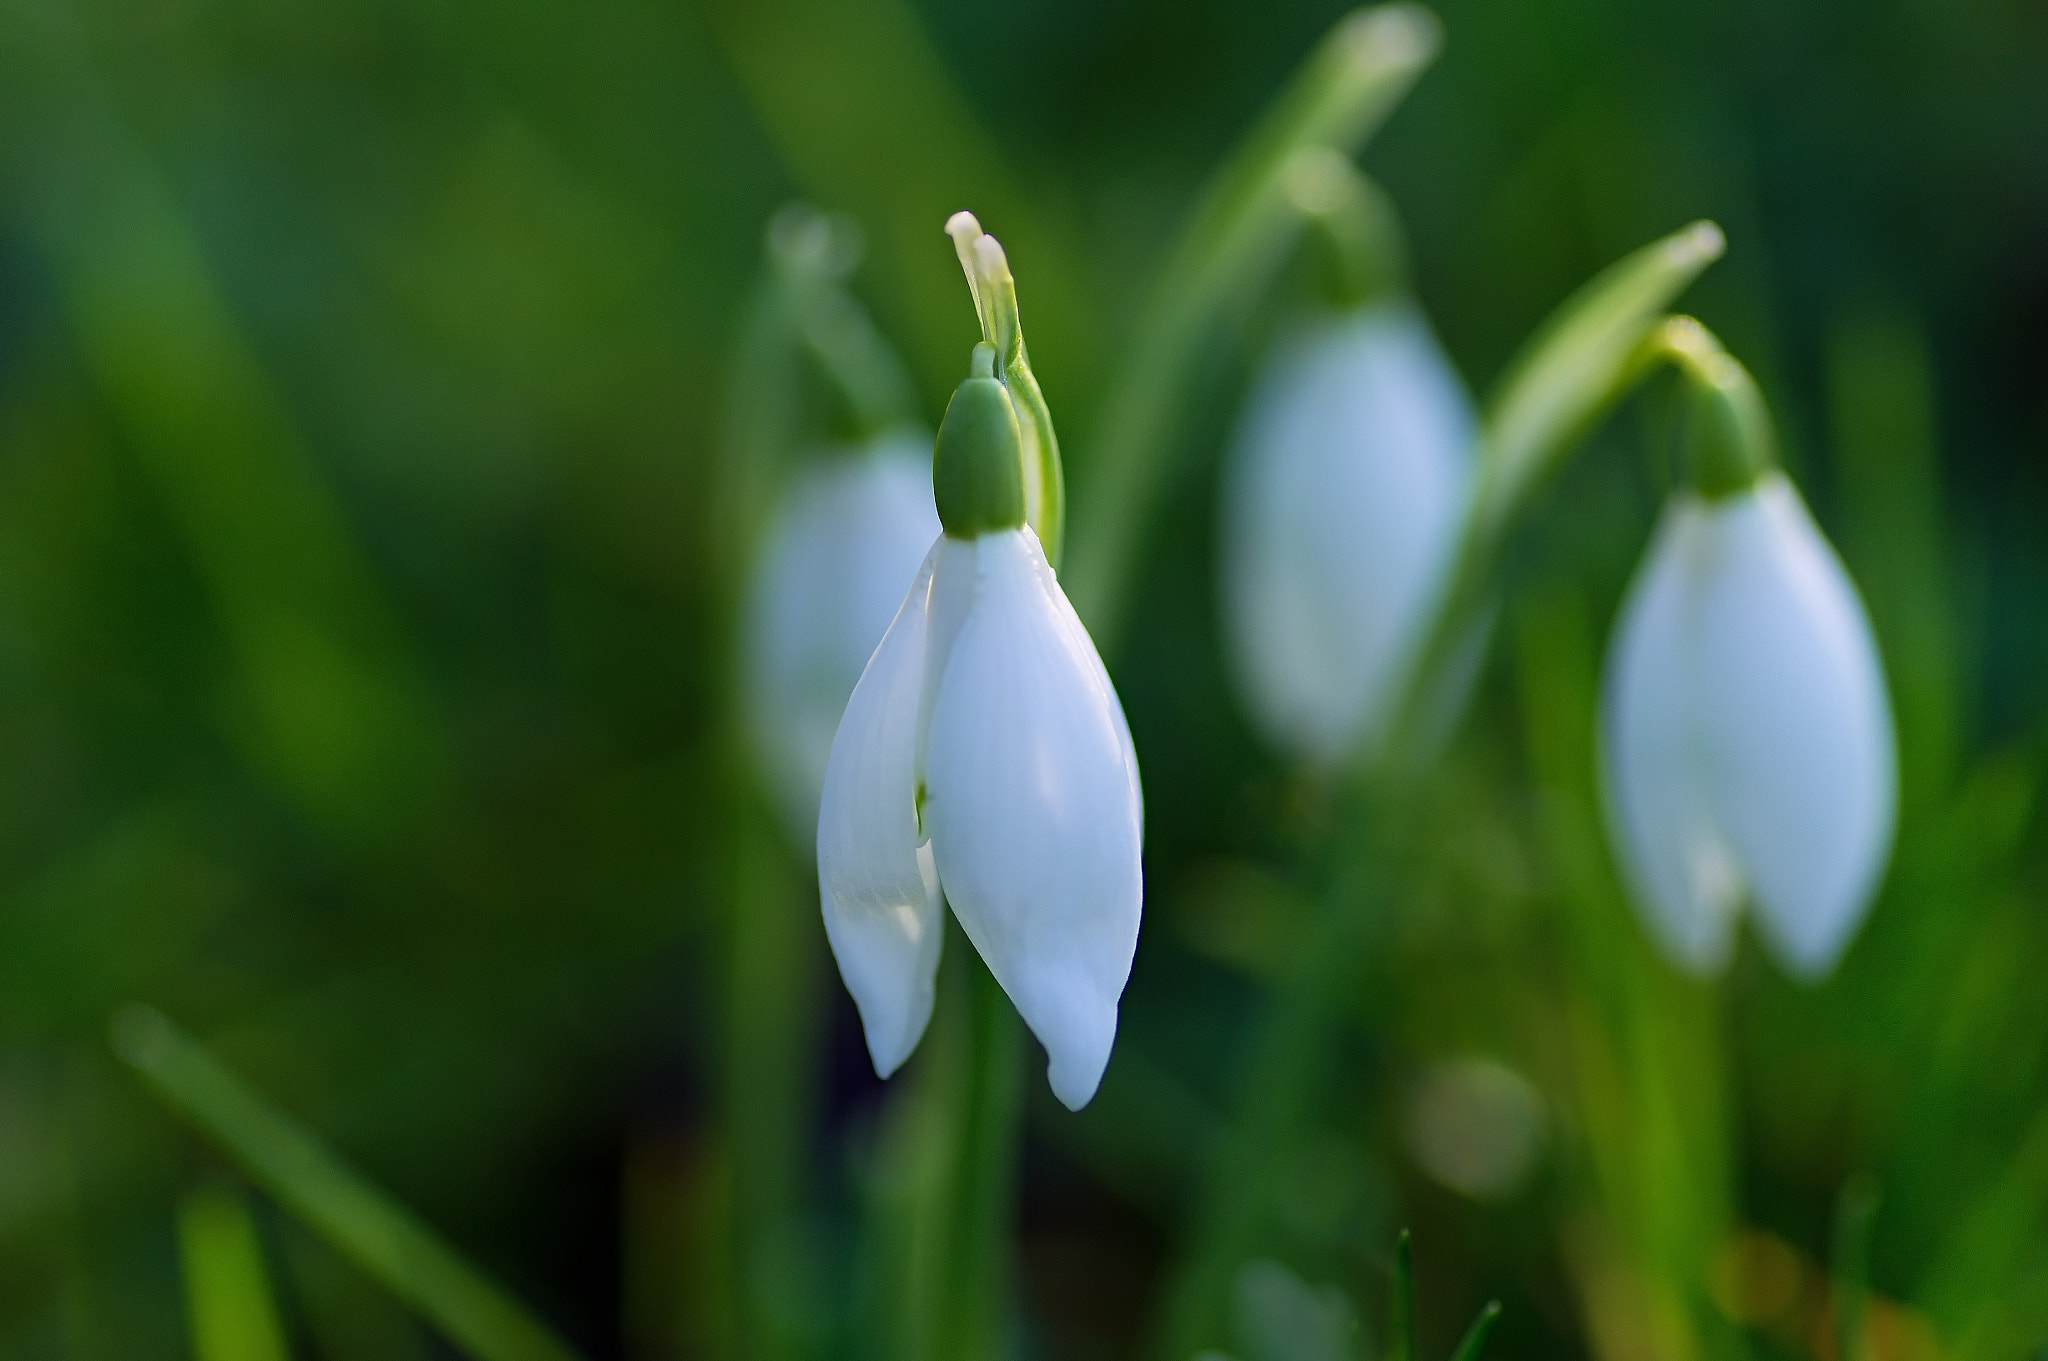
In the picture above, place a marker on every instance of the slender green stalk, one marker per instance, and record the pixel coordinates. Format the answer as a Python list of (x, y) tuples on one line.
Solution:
[(1247, 217), (940, 1227), (1401, 1302), (1354, 221), (977, 1299), (227, 1294), (811, 254), (1583, 360), (1855, 1216), (374, 1231)]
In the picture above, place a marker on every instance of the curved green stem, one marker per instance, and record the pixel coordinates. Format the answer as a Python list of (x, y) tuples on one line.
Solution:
[(1728, 438), (1590, 353), (811, 254), (1248, 215), (1354, 222)]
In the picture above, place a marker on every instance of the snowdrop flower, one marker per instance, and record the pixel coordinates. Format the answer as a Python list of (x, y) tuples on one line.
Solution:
[(1747, 746), (984, 760), (1347, 484), (845, 541)]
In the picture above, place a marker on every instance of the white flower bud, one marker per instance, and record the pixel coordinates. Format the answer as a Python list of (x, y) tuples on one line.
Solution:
[(1349, 476), (984, 756), (844, 543), (1747, 745)]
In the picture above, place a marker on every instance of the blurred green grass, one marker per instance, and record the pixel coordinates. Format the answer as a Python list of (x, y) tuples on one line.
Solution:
[(364, 682)]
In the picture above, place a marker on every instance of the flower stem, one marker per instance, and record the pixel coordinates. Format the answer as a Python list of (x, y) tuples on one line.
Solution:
[(1240, 231), (991, 1104), (1589, 354), (946, 1174), (771, 1063), (1354, 221)]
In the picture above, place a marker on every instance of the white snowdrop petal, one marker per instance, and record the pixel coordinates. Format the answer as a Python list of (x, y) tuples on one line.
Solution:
[(878, 884), (1797, 725), (1348, 476), (1679, 870), (845, 542), (1033, 807)]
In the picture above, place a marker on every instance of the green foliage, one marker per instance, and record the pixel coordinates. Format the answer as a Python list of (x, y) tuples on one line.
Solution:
[(390, 397)]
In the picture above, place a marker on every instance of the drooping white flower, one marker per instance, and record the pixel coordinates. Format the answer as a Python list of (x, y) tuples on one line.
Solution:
[(984, 761), (1349, 476), (842, 546), (1747, 744)]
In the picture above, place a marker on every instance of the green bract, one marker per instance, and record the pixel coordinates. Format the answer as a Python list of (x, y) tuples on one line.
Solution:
[(978, 461), (1726, 441)]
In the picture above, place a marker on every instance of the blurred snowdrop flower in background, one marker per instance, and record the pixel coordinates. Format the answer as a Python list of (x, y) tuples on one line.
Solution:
[(1747, 742), (1348, 479), (845, 541), (984, 761)]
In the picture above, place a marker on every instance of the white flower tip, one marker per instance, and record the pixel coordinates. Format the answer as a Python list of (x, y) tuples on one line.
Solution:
[(889, 970), (1809, 942), (1076, 1061), (963, 227), (889, 1050)]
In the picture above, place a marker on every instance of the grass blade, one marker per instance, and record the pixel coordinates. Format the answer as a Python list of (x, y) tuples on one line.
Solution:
[(1476, 1335), (1401, 1303), (379, 1235), (227, 1296)]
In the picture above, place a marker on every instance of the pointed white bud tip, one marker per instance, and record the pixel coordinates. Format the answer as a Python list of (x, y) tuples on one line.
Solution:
[(1747, 744), (843, 543), (1347, 481), (987, 696)]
